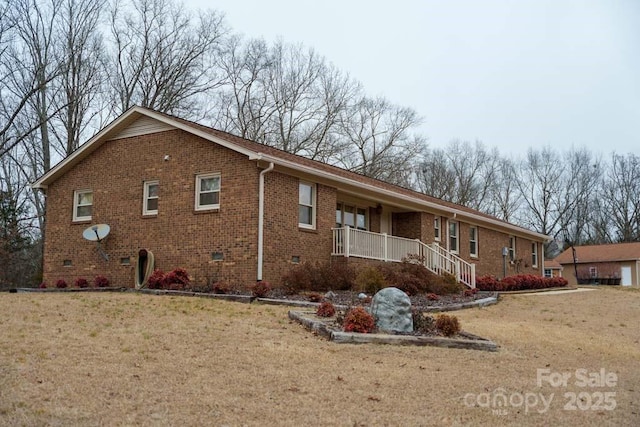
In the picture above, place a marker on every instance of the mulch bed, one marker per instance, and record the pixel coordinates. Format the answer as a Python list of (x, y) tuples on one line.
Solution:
[(419, 302)]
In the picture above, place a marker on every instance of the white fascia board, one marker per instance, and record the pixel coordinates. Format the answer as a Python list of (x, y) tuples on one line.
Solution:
[(394, 195), (104, 133)]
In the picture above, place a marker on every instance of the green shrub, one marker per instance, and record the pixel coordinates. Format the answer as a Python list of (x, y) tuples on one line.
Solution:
[(447, 325), (359, 320)]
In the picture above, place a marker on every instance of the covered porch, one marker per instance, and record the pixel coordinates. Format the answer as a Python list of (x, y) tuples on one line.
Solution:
[(354, 242)]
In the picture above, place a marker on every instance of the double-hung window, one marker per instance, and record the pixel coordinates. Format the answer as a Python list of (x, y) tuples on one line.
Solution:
[(512, 248), (534, 254), (82, 205), (473, 241), (306, 205), (436, 229), (150, 198), (207, 191), (453, 236)]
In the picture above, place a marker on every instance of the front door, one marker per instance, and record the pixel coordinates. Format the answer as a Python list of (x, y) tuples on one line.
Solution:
[(626, 276)]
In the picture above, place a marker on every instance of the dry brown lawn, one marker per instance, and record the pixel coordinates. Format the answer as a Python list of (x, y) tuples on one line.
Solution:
[(130, 359)]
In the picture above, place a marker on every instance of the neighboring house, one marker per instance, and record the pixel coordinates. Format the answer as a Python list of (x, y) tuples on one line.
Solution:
[(614, 264), (552, 268), (225, 208)]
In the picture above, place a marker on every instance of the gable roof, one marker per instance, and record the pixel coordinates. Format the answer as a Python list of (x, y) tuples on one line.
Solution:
[(601, 253), (552, 264), (344, 180)]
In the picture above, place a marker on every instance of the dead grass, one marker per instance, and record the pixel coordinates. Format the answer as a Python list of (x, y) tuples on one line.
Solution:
[(127, 359)]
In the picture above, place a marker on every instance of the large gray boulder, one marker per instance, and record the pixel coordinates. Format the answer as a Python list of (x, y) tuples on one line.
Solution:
[(392, 310)]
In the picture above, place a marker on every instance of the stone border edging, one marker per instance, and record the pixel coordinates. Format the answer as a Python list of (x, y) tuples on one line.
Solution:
[(532, 291), (472, 342)]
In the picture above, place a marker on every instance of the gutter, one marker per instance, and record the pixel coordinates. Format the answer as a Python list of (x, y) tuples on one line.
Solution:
[(261, 219), (456, 212)]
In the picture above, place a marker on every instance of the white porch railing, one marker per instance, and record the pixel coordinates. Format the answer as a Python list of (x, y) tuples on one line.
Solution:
[(351, 242)]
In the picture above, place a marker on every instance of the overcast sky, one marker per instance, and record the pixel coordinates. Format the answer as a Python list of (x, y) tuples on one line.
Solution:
[(513, 74)]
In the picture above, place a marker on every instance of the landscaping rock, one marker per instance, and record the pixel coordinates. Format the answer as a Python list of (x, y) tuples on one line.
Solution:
[(392, 310)]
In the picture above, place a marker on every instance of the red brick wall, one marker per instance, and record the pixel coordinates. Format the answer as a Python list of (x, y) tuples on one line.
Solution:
[(178, 236), (283, 239)]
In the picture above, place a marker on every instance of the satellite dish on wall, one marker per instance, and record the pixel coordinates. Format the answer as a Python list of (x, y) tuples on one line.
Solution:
[(97, 233)]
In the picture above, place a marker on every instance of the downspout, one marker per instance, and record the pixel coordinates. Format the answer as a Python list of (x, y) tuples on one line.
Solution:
[(261, 219)]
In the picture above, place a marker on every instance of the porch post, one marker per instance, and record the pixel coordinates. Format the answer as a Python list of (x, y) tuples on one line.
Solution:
[(386, 256), (346, 241)]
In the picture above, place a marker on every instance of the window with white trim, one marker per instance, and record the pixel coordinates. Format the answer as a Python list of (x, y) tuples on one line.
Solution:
[(512, 248), (473, 241), (436, 228), (351, 216), (548, 272), (593, 272), (453, 236), (82, 205), (150, 198), (534, 254), (306, 205), (207, 191)]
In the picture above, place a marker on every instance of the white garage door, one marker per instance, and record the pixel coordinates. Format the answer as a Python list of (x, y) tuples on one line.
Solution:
[(626, 276)]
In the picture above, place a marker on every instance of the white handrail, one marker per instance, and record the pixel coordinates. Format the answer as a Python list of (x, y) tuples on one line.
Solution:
[(349, 241)]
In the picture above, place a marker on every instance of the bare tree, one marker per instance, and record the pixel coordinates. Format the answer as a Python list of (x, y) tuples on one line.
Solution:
[(622, 196), (462, 173), (284, 96), (380, 142), (556, 188), (505, 199), (82, 74), (163, 60)]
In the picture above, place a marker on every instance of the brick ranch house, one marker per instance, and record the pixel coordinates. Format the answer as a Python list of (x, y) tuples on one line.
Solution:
[(612, 264), (226, 208)]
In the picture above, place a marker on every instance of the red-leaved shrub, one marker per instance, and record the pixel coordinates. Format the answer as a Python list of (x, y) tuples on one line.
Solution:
[(176, 280), (43, 285), (101, 282), (358, 320), (221, 287), (61, 284), (326, 309), (81, 282), (519, 283), (432, 297), (261, 289), (155, 280)]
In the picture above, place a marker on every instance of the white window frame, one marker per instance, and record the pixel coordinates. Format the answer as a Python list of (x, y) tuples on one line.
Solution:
[(199, 178), (473, 254), (146, 198), (534, 254), (593, 272), (313, 187), (548, 272), (342, 207), (456, 237), (512, 248), (76, 205), (436, 228)]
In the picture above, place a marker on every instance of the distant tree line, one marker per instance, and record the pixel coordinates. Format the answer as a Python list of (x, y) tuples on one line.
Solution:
[(68, 67)]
